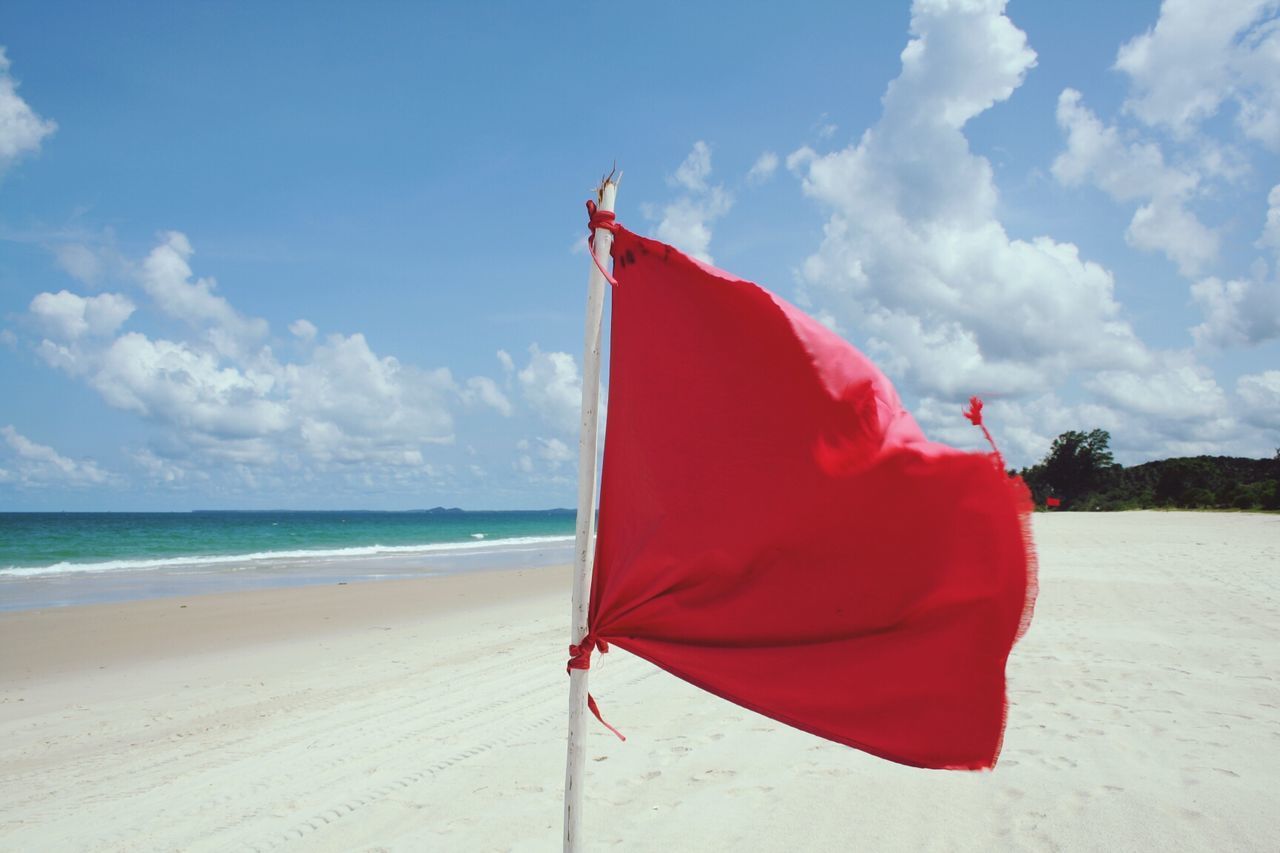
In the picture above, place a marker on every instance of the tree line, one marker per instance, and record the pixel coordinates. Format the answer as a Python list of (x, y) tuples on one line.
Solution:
[(1080, 472)]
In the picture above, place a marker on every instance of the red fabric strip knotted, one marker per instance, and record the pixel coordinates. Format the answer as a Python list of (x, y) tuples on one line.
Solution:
[(974, 414), (597, 218), (580, 658), (580, 655)]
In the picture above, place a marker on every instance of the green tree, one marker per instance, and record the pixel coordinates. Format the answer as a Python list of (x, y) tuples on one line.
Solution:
[(1078, 463)]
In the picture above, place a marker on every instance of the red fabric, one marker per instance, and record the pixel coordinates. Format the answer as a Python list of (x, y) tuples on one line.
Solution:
[(774, 527), (1052, 502)]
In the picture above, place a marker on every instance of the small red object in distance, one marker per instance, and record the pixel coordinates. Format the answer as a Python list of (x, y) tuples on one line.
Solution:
[(776, 529), (1052, 502)]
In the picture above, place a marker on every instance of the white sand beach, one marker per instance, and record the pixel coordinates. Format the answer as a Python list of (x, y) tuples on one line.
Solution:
[(430, 715)]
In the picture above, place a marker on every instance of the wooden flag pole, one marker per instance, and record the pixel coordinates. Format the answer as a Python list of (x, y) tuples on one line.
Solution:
[(575, 765)]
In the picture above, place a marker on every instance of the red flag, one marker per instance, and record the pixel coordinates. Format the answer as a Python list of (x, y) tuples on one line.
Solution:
[(775, 528)]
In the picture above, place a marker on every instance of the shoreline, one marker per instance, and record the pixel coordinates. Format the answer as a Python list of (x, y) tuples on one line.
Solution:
[(72, 588)]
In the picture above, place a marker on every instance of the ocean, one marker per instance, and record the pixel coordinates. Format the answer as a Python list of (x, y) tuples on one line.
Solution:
[(58, 559)]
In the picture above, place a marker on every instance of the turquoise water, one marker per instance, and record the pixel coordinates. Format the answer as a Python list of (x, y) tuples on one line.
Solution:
[(40, 543), (53, 559)]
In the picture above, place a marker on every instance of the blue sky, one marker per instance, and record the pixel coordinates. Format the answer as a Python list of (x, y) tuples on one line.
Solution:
[(329, 255)]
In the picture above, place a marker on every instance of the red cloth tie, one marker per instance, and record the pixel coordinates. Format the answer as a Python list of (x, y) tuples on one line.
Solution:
[(580, 655), (580, 658), (597, 218)]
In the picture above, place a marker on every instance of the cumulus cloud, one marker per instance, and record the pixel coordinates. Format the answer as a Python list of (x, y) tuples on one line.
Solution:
[(1198, 418), (686, 222), (21, 130), (1199, 56), (167, 278), (1244, 311), (67, 316), (1260, 393), (1177, 389), (914, 258), (1237, 312), (1135, 170), (552, 387), (1194, 60), (39, 465), (1271, 230), (172, 383), (222, 396), (353, 404), (1165, 225)]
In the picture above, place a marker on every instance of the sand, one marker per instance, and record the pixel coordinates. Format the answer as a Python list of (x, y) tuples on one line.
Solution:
[(430, 715)]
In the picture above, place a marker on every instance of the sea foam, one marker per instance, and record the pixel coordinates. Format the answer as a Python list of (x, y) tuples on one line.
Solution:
[(256, 559)]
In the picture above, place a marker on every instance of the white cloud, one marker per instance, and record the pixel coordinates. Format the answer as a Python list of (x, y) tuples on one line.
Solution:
[(1260, 393), (555, 452), (163, 470), (176, 385), (504, 358), (693, 172), (544, 459), (1177, 389), (552, 387), (1238, 312), (1271, 230), (965, 58), (66, 316), (1130, 171), (224, 402), (1125, 170), (303, 329), (380, 407), (1244, 311), (764, 167), (21, 130), (1165, 225), (483, 390), (1142, 428), (167, 278), (914, 258), (686, 222), (1199, 56), (38, 464)]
